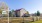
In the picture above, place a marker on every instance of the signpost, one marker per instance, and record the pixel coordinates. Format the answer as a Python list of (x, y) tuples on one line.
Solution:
[(4, 12)]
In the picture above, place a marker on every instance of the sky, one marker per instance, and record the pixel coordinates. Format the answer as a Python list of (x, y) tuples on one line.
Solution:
[(30, 5)]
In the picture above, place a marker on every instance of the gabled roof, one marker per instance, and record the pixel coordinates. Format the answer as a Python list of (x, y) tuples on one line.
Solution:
[(19, 9)]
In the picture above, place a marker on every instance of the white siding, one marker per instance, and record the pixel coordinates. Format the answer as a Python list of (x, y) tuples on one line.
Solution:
[(22, 12)]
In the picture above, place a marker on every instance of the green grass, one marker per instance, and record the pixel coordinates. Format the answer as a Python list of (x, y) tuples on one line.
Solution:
[(40, 21)]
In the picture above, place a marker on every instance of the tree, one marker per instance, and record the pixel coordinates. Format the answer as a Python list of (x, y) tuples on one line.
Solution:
[(4, 7), (10, 13), (13, 13), (26, 14), (0, 11), (38, 13), (12, 10)]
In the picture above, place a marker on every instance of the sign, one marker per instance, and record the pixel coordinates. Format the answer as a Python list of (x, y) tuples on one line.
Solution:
[(4, 12)]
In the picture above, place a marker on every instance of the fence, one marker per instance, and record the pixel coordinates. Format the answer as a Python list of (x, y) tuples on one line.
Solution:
[(4, 20), (18, 19)]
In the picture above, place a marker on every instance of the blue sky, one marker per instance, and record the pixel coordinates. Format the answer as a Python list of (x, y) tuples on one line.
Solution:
[(30, 5)]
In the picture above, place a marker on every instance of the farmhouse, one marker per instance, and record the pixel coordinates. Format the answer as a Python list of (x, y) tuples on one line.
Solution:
[(20, 12)]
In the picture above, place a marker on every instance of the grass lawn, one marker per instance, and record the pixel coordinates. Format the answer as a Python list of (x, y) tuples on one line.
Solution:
[(40, 21)]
